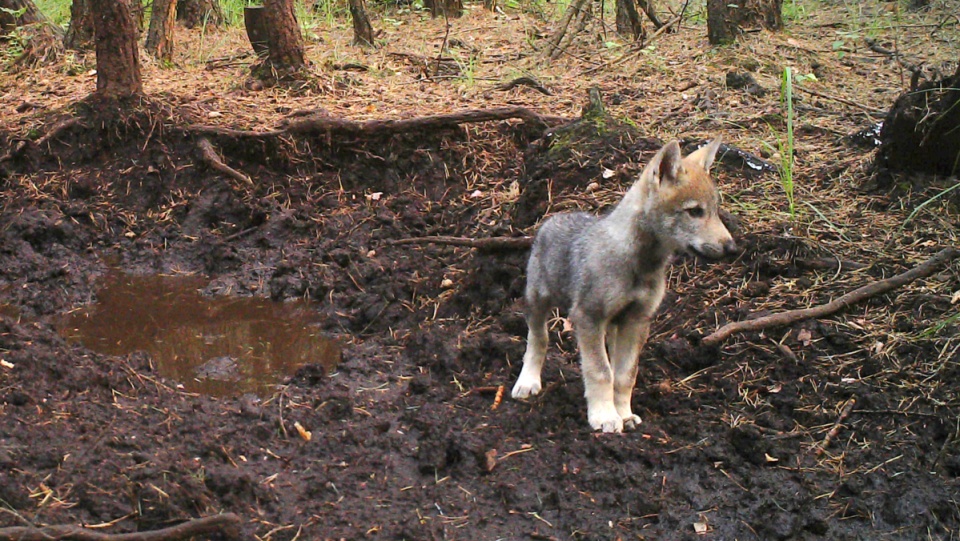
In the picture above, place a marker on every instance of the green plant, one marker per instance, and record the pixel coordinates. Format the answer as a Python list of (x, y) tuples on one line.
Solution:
[(786, 145), (921, 206), (794, 11)]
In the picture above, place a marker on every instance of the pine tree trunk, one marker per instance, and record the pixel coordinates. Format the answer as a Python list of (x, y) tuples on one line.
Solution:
[(285, 57), (628, 20), (118, 60), (726, 20), (160, 36), (449, 8), (193, 13), (362, 29), (80, 32)]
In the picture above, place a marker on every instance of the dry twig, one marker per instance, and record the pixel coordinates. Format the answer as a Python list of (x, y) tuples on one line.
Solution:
[(226, 524), (844, 413), (490, 244), (847, 300), (845, 101)]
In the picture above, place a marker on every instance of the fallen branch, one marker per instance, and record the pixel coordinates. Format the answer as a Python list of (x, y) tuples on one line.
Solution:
[(876, 288), (489, 244), (844, 413), (210, 157), (227, 524), (304, 122), (329, 124)]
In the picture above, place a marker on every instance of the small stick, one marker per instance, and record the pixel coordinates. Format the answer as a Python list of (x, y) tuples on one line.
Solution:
[(485, 390), (860, 294), (210, 157), (844, 413), (525, 81), (843, 100), (497, 399), (489, 243), (226, 523)]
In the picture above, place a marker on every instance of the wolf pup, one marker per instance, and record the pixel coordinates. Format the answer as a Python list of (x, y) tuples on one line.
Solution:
[(610, 272)]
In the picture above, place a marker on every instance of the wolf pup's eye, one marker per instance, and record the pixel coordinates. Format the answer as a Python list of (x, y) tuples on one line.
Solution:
[(695, 212)]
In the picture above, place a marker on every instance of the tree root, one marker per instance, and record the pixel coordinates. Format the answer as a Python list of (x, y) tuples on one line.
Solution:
[(490, 244), (227, 524), (210, 157), (322, 123), (860, 294)]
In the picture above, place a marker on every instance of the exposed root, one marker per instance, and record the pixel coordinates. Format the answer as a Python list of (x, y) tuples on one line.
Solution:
[(210, 157), (227, 524), (860, 294)]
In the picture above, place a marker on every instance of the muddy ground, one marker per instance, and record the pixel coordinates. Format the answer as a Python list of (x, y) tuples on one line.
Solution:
[(408, 438)]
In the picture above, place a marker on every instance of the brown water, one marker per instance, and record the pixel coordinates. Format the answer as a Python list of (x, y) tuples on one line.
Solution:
[(221, 346)]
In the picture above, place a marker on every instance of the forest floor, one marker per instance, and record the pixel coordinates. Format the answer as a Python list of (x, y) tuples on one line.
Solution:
[(846, 427)]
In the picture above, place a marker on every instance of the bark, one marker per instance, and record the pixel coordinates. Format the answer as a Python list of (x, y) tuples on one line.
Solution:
[(118, 59), (193, 13), (628, 20), (160, 36), (726, 20), (41, 40), (362, 29), (80, 32), (255, 21), (285, 57)]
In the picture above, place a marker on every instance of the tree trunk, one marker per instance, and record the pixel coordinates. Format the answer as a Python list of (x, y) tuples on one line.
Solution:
[(118, 59), (41, 39), (628, 20), (160, 36), (490, 5), (255, 21), (648, 8), (80, 32), (726, 20), (193, 13), (362, 29), (921, 133), (285, 58), (449, 8)]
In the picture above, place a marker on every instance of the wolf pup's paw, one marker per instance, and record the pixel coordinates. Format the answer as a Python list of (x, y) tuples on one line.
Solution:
[(631, 422), (525, 388), (606, 420)]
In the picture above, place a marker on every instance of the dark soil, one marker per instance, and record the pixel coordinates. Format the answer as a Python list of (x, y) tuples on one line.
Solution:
[(407, 439)]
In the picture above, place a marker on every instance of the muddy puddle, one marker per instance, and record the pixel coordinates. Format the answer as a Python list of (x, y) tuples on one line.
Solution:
[(222, 346)]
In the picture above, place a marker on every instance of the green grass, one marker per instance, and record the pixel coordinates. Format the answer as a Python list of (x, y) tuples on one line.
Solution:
[(57, 11), (786, 145)]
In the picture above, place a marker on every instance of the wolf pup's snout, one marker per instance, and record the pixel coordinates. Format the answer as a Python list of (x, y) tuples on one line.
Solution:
[(730, 247)]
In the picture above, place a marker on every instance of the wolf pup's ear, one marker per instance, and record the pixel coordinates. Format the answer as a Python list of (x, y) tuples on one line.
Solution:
[(670, 162), (704, 155)]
